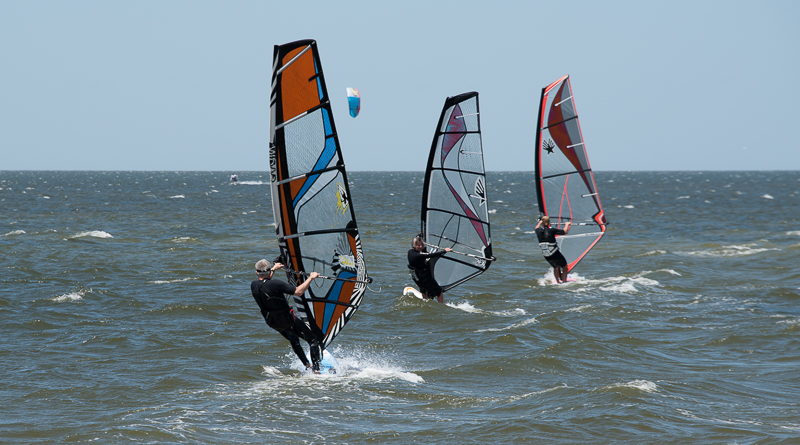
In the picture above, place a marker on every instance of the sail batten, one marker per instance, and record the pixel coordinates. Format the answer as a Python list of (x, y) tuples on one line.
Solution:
[(454, 204), (566, 189), (314, 218)]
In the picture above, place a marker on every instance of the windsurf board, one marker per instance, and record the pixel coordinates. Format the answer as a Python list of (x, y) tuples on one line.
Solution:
[(408, 290)]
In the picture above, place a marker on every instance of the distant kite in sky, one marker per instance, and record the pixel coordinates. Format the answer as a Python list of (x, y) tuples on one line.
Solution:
[(354, 101)]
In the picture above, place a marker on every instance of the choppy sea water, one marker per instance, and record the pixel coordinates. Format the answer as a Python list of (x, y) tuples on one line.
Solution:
[(126, 317)]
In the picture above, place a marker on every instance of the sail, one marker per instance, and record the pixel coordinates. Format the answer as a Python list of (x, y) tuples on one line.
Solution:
[(565, 184), (454, 206), (314, 218)]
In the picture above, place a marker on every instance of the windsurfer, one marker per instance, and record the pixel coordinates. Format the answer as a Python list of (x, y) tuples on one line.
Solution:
[(419, 261), (270, 297), (549, 246)]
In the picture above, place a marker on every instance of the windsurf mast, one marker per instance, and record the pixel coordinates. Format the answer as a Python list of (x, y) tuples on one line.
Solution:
[(455, 210), (566, 189), (314, 218)]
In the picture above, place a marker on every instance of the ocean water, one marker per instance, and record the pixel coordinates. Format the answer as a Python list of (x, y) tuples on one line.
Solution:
[(126, 317)]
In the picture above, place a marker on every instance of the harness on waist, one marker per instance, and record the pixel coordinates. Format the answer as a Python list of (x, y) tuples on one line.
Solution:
[(548, 249)]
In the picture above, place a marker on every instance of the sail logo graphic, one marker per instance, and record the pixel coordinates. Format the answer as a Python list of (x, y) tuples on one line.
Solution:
[(343, 261), (273, 162), (347, 262), (480, 191), (549, 145), (342, 201)]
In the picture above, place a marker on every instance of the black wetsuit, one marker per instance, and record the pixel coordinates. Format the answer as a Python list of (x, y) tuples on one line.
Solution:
[(548, 235), (269, 294), (420, 264)]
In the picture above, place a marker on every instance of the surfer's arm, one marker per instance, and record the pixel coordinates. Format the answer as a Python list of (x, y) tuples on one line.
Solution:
[(567, 226), (301, 289), (436, 254)]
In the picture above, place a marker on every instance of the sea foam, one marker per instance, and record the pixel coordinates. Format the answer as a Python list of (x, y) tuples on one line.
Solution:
[(93, 234), (730, 251), (72, 296), (642, 385)]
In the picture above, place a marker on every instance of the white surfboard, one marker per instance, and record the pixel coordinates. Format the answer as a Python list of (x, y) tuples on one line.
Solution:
[(408, 290), (328, 364)]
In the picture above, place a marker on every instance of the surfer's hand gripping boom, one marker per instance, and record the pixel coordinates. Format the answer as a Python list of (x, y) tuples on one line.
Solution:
[(459, 253)]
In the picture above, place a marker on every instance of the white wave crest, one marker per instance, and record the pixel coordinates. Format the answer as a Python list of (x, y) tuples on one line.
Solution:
[(730, 251), (177, 197), (364, 365), (510, 312), (72, 296), (251, 183), (467, 307), (181, 280), (578, 308), (653, 253), (625, 288), (767, 196), (523, 323), (642, 385), (271, 371), (379, 373), (793, 233), (493, 211), (549, 279), (182, 239), (464, 306), (15, 232), (621, 284), (628, 285), (93, 234)]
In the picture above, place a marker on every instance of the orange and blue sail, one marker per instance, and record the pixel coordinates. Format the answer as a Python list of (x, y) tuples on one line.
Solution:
[(314, 217)]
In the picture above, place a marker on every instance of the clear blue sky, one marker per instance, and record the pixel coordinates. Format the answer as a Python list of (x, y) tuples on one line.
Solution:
[(184, 85)]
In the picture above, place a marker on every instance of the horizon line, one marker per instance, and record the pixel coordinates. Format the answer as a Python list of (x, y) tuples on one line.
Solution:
[(383, 171)]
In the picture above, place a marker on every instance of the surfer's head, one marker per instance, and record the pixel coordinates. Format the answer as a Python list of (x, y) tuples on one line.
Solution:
[(545, 220), (418, 244), (263, 268)]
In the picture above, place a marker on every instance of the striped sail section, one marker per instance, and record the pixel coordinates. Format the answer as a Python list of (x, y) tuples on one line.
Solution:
[(565, 184), (454, 204), (314, 218)]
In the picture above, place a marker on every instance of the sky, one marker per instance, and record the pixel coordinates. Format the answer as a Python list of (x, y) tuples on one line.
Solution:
[(184, 85)]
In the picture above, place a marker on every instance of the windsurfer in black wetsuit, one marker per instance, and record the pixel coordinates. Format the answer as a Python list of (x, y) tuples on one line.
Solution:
[(271, 298), (549, 246), (419, 261)]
